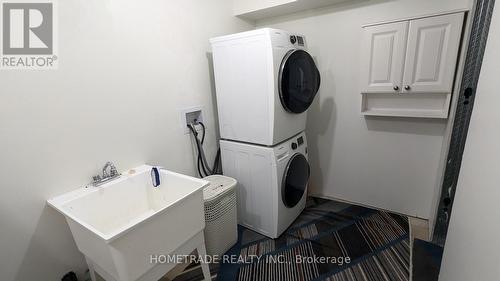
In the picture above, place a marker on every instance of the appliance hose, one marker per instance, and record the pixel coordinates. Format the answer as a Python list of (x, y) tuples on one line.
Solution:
[(203, 167)]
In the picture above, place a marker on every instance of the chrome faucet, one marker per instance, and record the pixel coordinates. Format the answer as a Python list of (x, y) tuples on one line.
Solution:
[(109, 173)]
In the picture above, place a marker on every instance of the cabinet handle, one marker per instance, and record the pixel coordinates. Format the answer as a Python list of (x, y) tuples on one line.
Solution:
[(396, 88), (407, 87)]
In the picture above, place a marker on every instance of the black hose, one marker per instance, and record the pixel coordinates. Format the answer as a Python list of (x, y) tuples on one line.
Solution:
[(200, 167), (199, 160), (216, 166), (202, 162), (201, 153), (204, 129)]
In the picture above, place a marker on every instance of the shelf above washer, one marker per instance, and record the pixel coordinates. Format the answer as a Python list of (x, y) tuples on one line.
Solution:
[(261, 9)]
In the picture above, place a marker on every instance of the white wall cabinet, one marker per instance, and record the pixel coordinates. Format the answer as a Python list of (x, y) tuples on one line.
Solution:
[(431, 56), (384, 55), (409, 66)]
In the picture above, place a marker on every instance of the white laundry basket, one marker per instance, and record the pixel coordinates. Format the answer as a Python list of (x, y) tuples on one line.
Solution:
[(221, 230)]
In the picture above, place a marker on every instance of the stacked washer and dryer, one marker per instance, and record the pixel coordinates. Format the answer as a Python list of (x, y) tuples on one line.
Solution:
[(265, 82)]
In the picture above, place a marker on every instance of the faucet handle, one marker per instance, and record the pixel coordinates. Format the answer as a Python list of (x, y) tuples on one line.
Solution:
[(96, 178), (113, 171)]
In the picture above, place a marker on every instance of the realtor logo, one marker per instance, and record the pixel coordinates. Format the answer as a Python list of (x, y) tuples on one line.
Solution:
[(28, 37)]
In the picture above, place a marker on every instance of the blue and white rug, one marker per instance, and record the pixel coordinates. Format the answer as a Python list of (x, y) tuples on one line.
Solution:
[(329, 241)]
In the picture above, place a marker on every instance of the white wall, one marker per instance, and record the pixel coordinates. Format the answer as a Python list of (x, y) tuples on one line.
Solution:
[(125, 69), (391, 163), (472, 249)]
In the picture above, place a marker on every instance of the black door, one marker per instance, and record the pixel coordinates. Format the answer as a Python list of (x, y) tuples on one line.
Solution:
[(299, 81), (295, 180)]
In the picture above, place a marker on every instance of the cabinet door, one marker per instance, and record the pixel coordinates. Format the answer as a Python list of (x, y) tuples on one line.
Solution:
[(383, 56), (431, 57)]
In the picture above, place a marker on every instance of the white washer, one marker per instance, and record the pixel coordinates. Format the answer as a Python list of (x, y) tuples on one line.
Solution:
[(265, 81), (272, 182)]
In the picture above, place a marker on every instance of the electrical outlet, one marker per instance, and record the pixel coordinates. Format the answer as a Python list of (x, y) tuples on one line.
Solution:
[(189, 116)]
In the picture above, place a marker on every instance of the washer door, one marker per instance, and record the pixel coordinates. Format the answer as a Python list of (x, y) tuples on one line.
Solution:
[(299, 81), (295, 180)]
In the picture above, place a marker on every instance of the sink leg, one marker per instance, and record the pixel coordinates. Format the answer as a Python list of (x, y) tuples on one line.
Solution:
[(202, 251), (91, 269)]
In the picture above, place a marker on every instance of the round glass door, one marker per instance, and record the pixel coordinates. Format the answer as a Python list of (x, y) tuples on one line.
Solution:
[(299, 81), (295, 180)]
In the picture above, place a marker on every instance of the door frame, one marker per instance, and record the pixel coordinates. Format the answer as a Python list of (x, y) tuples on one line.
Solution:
[(481, 19)]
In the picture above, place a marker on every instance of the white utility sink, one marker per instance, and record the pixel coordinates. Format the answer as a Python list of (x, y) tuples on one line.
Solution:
[(120, 225)]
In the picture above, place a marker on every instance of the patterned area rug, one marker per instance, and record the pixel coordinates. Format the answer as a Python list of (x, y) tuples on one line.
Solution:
[(329, 241)]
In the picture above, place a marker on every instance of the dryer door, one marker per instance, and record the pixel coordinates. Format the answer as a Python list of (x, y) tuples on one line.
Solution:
[(295, 180), (299, 81)]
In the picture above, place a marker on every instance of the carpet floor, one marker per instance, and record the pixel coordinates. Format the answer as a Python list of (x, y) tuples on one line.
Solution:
[(330, 241)]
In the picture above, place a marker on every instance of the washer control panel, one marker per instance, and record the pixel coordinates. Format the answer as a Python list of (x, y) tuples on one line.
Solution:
[(298, 142)]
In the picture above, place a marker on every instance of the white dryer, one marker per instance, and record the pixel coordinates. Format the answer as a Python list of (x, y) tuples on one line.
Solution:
[(272, 182), (265, 81)]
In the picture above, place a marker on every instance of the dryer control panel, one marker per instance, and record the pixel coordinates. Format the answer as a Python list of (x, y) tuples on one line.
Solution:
[(285, 39), (296, 39)]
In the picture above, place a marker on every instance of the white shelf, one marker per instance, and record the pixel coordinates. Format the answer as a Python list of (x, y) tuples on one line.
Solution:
[(431, 105), (406, 113), (261, 9)]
